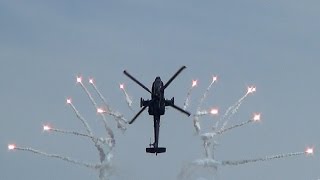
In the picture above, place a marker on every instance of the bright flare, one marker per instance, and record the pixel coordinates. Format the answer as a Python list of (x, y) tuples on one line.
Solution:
[(79, 79), (121, 86), (251, 89), (69, 100), (194, 83), (91, 81), (256, 117), (214, 111), (100, 110), (214, 78), (11, 146), (309, 151), (46, 128)]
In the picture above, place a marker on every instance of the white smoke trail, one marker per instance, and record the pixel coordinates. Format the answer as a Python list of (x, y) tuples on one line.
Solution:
[(186, 102), (70, 132), (119, 118), (209, 148), (196, 124), (108, 129), (201, 113), (196, 118), (84, 122), (107, 141), (99, 148), (79, 80), (210, 135), (207, 137), (105, 169), (207, 152), (67, 159), (213, 111), (98, 142), (204, 96), (268, 158), (100, 111), (234, 108), (128, 98), (207, 163), (99, 94), (221, 131), (121, 121), (227, 115)]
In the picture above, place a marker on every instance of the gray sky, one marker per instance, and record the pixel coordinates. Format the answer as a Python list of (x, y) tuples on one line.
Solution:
[(272, 44)]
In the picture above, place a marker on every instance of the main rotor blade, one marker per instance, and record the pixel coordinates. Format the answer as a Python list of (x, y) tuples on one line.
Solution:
[(135, 80), (180, 109), (173, 77), (138, 114)]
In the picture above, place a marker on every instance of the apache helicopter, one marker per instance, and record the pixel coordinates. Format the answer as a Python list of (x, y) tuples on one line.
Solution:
[(156, 106)]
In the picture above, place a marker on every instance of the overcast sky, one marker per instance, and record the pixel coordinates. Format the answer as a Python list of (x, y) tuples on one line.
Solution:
[(272, 44)]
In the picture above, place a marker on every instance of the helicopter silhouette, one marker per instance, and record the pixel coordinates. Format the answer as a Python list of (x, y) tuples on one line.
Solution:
[(156, 106)]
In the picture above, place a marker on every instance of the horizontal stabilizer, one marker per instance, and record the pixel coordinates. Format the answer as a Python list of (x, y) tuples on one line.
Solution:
[(156, 150)]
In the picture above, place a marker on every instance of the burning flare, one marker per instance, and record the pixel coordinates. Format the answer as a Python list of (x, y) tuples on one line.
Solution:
[(91, 81), (194, 83), (309, 151), (256, 117), (11, 147), (214, 79), (79, 79), (46, 128), (101, 111), (251, 89), (214, 111), (69, 101)]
